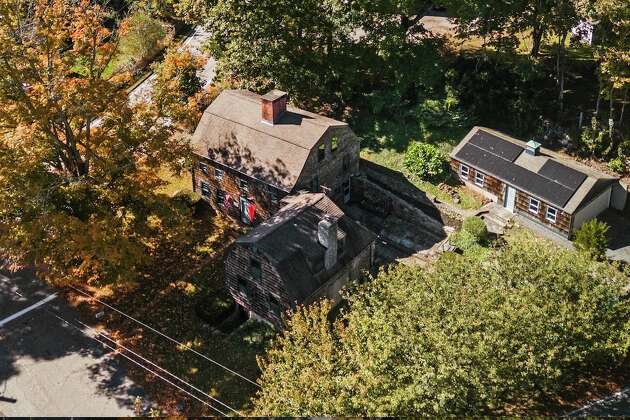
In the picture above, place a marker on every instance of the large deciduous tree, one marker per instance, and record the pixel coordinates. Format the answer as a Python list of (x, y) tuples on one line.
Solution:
[(475, 334), (77, 164)]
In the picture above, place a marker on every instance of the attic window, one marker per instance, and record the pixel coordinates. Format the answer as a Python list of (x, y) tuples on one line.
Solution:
[(274, 304), (203, 168), (334, 144), (255, 269), (534, 205), (218, 174), (243, 286), (321, 152)]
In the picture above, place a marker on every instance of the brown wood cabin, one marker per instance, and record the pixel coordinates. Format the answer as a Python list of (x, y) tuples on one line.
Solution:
[(254, 150), (538, 184), (308, 250)]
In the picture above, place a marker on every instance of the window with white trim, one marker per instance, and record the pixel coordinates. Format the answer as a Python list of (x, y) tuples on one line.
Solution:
[(480, 179), (534, 205), (552, 214), (218, 174), (203, 168), (463, 170)]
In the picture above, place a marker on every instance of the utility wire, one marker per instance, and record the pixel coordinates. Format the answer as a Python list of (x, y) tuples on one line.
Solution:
[(141, 365), (101, 334), (187, 347)]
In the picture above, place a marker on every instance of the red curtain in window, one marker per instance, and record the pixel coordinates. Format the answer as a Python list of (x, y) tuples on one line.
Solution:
[(251, 211)]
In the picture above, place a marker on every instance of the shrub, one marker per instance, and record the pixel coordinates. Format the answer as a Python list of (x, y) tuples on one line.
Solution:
[(591, 239), (617, 165), (476, 227), (471, 236), (425, 161)]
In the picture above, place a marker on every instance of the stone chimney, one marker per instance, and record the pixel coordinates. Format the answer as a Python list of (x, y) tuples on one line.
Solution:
[(533, 148), (327, 236), (274, 104)]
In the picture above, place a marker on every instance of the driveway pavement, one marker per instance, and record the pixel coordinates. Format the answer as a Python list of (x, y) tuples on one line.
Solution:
[(50, 368), (143, 92), (617, 405)]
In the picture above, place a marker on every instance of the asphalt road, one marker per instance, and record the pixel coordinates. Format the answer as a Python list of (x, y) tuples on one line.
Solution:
[(50, 368)]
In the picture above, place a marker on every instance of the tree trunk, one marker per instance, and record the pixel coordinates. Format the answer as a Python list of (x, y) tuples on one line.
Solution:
[(560, 64), (623, 107), (537, 36)]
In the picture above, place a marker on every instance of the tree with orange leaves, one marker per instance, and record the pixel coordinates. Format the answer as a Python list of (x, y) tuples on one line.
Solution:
[(78, 164)]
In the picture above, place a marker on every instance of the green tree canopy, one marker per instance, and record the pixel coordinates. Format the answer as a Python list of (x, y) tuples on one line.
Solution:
[(471, 335)]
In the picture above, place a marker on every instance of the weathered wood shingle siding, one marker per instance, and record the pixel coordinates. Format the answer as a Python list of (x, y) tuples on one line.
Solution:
[(237, 264), (259, 192), (491, 184), (331, 171), (563, 220)]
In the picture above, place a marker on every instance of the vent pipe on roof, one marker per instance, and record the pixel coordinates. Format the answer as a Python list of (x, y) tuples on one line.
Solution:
[(327, 236), (274, 104), (533, 148)]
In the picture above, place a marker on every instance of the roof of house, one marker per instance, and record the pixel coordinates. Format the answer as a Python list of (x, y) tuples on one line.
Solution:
[(232, 133), (549, 176), (289, 239)]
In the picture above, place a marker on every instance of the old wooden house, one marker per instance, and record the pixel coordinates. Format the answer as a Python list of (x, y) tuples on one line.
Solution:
[(309, 249), (546, 187), (254, 150)]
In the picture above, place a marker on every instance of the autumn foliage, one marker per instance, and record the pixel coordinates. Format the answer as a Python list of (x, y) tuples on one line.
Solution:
[(78, 164)]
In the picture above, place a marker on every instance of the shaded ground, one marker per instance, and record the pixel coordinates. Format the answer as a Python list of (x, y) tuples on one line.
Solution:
[(618, 235), (171, 301), (50, 368)]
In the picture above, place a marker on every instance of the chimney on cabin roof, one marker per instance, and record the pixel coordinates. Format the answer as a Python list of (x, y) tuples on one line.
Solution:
[(274, 104)]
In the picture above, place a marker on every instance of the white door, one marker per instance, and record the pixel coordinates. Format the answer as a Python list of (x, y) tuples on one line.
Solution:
[(510, 198)]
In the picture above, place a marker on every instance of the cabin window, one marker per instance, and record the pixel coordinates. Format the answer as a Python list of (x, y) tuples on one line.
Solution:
[(255, 269), (218, 174), (221, 198), (552, 214), (534, 205), (203, 168), (480, 179), (321, 152), (346, 163), (205, 189), (334, 144), (274, 304), (243, 185), (463, 171)]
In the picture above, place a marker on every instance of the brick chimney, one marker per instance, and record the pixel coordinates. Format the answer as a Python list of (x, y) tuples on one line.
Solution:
[(327, 236), (274, 104)]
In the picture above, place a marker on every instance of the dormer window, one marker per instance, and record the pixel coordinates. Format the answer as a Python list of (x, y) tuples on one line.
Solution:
[(321, 152), (334, 144)]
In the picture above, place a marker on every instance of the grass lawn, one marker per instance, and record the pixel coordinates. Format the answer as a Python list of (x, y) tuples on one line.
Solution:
[(385, 142), (175, 183)]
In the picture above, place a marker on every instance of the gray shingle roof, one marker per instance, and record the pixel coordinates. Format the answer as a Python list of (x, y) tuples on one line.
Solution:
[(231, 133), (289, 239), (548, 176)]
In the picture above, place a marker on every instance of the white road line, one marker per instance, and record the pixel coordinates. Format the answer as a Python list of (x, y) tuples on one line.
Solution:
[(27, 310)]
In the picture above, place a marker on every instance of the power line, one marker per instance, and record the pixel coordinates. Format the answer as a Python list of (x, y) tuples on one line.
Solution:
[(187, 347), (99, 333), (141, 365)]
